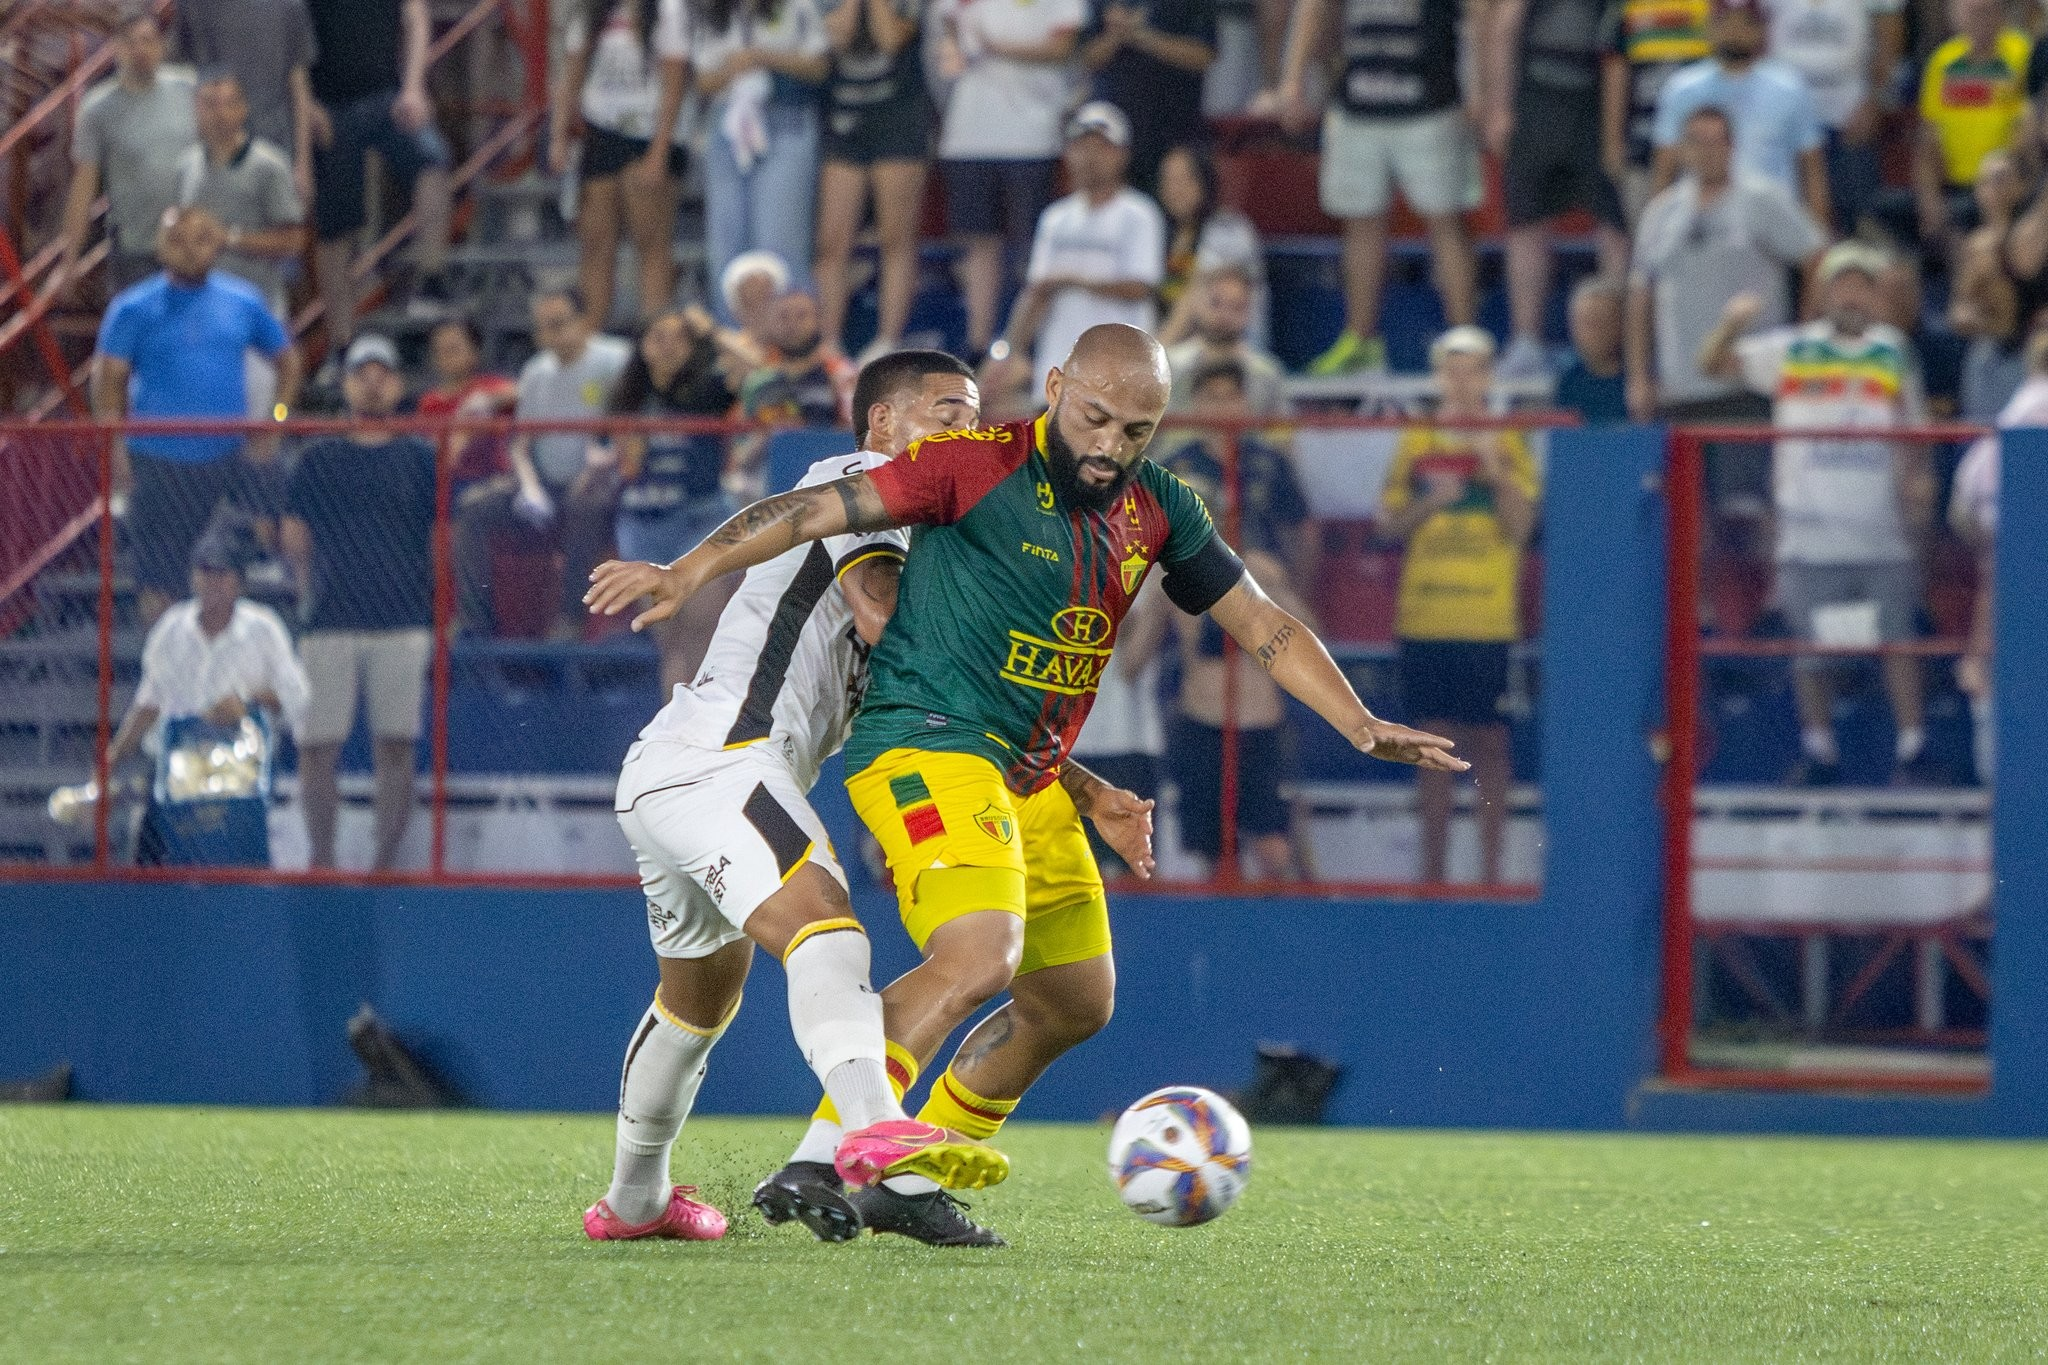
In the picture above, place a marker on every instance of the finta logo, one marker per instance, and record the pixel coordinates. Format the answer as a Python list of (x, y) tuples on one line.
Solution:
[(1050, 556)]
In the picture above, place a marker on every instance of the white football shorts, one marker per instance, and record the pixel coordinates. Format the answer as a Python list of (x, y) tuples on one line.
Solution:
[(716, 832)]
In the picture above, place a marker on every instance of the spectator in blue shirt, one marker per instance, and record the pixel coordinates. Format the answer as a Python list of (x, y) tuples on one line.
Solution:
[(1592, 385), (1778, 131), (172, 347)]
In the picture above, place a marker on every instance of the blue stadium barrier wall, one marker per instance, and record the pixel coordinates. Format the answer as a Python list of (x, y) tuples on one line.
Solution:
[(1537, 1015)]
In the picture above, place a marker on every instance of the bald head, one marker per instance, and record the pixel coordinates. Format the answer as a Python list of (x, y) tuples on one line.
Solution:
[(188, 241), (1105, 403), (1117, 352)]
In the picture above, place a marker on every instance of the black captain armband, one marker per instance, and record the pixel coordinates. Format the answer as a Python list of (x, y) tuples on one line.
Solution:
[(1199, 582)]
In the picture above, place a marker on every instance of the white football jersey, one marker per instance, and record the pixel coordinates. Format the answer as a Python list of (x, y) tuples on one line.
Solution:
[(785, 665)]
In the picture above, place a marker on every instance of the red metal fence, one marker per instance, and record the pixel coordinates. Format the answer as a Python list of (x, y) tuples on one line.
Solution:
[(1830, 1047), (80, 455)]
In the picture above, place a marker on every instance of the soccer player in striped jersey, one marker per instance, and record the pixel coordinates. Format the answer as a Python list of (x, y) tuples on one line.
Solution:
[(1034, 539)]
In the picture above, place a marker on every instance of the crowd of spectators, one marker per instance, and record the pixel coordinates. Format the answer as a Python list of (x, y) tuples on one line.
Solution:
[(1714, 149)]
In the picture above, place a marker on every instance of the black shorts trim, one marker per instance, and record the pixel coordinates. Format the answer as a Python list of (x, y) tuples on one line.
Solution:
[(899, 130), (606, 153), (778, 829)]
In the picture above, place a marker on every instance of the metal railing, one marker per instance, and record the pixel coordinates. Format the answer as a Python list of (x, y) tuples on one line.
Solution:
[(93, 453), (1687, 947)]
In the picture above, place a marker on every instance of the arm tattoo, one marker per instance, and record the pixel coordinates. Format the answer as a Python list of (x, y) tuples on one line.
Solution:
[(864, 510), (1271, 651), (1082, 785), (758, 518)]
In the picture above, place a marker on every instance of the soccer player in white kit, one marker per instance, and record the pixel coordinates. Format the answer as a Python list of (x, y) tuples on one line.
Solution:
[(713, 799)]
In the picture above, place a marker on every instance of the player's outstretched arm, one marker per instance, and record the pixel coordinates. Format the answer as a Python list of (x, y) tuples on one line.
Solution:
[(1297, 660), (753, 535), (1123, 818)]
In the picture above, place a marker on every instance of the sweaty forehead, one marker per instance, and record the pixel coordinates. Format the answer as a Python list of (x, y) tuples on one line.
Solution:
[(1126, 393)]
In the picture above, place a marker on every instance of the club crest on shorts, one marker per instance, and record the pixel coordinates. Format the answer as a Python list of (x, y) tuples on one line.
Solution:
[(996, 823)]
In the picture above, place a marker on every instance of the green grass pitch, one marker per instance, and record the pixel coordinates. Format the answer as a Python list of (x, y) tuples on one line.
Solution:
[(166, 1235)]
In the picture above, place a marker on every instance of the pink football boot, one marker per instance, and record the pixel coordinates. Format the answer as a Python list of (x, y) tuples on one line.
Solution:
[(684, 1220), (912, 1147)]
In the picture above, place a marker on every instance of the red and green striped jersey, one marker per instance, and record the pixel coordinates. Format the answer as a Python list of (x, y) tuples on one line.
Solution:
[(1011, 599)]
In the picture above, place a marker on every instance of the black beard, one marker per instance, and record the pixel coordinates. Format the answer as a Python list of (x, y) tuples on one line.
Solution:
[(806, 348), (1065, 466)]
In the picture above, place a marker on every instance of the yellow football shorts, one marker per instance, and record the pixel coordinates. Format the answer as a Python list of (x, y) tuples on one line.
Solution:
[(958, 840)]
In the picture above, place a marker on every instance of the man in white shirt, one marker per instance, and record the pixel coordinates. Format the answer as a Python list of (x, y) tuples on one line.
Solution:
[(1098, 256), (1849, 512), (214, 655)]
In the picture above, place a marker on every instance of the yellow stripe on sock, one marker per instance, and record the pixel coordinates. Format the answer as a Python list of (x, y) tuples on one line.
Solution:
[(827, 1111), (953, 1105), (822, 926), (665, 1012)]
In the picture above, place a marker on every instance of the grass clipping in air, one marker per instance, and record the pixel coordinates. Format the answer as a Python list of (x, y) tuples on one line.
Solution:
[(167, 1235)]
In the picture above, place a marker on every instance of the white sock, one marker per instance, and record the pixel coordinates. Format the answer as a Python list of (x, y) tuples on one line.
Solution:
[(1912, 739), (820, 1144), (1819, 745), (861, 1092), (911, 1184), (664, 1067), (837, 1019)]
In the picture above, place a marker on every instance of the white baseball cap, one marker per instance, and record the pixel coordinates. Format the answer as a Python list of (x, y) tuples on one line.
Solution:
[(371, 349), (1102, 117), (1464, 340)]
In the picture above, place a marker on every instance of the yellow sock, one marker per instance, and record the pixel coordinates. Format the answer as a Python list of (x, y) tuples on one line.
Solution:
[(953, 1105), (902, 1068)]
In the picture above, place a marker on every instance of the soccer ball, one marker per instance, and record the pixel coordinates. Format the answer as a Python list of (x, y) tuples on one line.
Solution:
[(1180, 1156)]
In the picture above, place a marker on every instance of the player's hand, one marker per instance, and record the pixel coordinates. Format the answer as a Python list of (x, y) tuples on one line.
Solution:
[(1399, 744), (616, 585), (1124, 820)]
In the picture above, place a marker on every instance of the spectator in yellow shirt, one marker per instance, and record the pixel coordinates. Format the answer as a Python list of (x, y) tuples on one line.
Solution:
[(1464, 502), (1972, 97)]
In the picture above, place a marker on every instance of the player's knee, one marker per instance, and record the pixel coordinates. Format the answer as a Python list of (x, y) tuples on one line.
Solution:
[(972, 979), (1082, 1019), (1072, 1019)]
